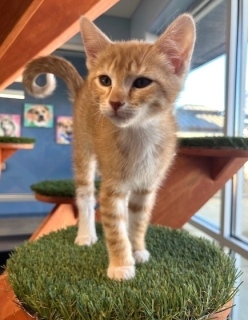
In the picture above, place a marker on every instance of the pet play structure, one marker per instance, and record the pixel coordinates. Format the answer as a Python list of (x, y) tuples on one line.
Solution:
[(202, 167), (199, 277)]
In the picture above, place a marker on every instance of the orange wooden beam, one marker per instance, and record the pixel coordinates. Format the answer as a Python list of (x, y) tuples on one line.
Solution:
[(14, 16), (9, 306), (54, 199), (50, 26)]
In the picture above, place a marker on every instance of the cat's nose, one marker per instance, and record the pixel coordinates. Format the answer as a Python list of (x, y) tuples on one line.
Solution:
[(116, 105)]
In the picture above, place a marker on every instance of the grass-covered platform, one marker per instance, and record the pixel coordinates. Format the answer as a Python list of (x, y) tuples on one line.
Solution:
[(55, 188), (17, 140), (9, 145), (58, 188), (214, 142), (186, 278)]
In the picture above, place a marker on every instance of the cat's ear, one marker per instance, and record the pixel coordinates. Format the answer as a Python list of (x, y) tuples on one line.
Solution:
[(93, 38), (177, 43)]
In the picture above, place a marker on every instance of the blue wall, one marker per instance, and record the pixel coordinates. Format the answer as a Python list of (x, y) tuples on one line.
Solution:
[(48, 160)]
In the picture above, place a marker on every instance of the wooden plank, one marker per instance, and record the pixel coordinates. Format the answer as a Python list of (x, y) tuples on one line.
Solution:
[(51, 25), (54, 199), (61, 217), (7, 145), (9, 306), (212, 152), (14, 16), (8, 149)]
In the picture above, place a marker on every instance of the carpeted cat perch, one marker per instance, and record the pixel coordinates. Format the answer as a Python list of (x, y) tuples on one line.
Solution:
[(17, 140), (186, 278), (214, 142), (9, 145)]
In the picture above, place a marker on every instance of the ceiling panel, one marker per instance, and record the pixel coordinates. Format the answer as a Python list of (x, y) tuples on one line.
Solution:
[(124, 8)]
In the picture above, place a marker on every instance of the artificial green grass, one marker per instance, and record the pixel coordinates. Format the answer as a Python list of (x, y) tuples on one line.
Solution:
[(22, 140), (187, 278), (214, 142), (57, 188)]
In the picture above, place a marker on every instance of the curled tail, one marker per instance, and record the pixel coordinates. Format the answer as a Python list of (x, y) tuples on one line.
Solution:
[(50, 65)]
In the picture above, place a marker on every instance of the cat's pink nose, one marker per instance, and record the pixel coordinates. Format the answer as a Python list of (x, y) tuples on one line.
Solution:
[(116, 105)]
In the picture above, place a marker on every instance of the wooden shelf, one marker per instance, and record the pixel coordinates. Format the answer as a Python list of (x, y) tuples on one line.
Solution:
[(14, 16), (197, 174), (8, 149), (32, 28), (212, 152), (52, 199)]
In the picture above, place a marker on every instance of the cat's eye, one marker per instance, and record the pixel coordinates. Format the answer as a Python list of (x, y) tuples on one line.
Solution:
[(141, 82), (105, 80)]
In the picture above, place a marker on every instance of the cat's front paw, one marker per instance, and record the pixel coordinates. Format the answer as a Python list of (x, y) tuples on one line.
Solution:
[(85, 240), (141, 256), (121, 273)]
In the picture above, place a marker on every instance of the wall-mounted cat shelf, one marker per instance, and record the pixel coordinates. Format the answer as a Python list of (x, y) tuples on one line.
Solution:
[(9, 145), (201, 168)]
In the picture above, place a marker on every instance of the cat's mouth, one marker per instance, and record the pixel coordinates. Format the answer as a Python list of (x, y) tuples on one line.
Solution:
[(120, 118)]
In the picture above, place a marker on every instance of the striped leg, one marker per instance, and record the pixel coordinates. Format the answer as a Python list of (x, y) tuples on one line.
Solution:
[(114, 219), (140, 207)]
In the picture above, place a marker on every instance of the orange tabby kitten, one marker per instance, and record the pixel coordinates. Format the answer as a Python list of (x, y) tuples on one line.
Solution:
[(124, 123)]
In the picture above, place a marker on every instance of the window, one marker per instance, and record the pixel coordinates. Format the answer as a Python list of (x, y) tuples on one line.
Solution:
[(200, 108)]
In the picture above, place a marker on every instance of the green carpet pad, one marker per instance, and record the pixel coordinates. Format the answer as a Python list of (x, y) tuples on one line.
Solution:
[(187, 278)]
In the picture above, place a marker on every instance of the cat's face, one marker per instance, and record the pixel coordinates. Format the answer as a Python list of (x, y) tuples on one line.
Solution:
[(129, 83), (134, 82)]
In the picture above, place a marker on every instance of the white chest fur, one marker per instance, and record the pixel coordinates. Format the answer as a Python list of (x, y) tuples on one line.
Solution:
[(142, 147)]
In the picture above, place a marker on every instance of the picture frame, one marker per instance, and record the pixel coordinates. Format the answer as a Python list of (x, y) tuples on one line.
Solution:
[(38, 115), (64, 129), (10, 125)]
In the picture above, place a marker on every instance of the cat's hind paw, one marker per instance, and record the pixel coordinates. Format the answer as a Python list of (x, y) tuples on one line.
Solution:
[(121, 273), (141, 256), (85, 240)]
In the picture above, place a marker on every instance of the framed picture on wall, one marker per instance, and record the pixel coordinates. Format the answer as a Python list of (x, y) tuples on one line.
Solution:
[(38, 115), (10, 125), (64, 130)]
